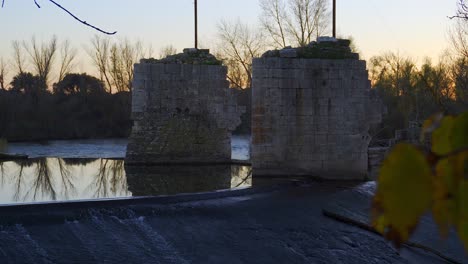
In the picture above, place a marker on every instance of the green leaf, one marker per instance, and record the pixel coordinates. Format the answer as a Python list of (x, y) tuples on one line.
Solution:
[(404, 192), (452, 135)]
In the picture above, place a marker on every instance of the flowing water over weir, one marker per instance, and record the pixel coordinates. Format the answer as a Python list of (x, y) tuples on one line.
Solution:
[(80, 235), (99, 237)]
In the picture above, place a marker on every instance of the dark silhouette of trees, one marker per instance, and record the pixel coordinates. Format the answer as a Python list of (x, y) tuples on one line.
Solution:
[(27, 83), (412, 94), (460, 78), (82, 84)]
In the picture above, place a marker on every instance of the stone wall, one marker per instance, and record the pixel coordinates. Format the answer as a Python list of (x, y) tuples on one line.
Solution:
[(311, 116), (182, 112), (167, 180)]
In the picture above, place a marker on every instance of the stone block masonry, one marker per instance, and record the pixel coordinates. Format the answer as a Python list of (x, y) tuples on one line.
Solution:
[(183, 111), (311, 117)]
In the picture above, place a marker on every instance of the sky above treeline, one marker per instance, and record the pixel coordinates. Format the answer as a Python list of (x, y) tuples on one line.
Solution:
[(417, 28)]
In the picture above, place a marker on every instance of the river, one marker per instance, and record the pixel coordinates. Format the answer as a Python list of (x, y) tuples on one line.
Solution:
[(66, 170)]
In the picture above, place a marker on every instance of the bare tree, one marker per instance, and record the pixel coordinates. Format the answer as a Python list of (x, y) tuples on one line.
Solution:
[(273, 21), (167, 51), (18, 57), (238, 45), (460, 78), (99, 53), (462, 11), (42, 57), (67, 56), (3, 73), (114, 61), (459, 38), (129, 53), (295, 22), (117, 69)]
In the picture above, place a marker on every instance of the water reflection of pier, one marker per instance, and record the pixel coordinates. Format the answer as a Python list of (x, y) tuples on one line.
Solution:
[(56, 179), (173, 179)]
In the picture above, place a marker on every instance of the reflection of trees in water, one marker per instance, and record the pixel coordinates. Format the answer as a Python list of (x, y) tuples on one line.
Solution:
[(18, 183), (110, 179), (19, 179), (2, 171), (42, 183), (63, 179), (67, 179)]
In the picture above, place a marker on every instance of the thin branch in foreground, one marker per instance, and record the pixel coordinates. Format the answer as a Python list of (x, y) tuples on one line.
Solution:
[(82, 21), (462, 12), (72, 15)]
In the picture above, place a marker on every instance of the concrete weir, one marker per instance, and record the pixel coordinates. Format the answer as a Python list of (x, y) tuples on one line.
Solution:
[(183, 110), (311, 116)]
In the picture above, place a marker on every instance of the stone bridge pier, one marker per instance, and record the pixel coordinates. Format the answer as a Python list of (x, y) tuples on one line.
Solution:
[(183, 110), (311, 114)]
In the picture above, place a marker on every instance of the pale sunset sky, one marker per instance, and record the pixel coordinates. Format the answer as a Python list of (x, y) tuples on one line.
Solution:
[(417, 28)]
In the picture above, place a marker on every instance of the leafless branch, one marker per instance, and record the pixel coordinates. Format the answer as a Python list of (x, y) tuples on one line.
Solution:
[(462, 12), (67, 54), (239, 44), (72, 15)]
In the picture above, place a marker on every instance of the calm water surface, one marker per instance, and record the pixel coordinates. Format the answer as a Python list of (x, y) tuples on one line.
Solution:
[(89, 169), (101, 148)]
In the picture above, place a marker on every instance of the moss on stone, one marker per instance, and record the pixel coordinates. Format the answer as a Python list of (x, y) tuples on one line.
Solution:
[(189, 56), (339, 49)]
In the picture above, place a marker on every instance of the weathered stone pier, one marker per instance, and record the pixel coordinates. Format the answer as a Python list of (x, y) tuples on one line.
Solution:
[(311, 112), (183, 110)]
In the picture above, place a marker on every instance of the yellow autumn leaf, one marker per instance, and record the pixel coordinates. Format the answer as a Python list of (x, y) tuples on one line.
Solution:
[(431, 124), (462, 217), (445, 188), (441, 137), (404, 192), (459, 135)]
